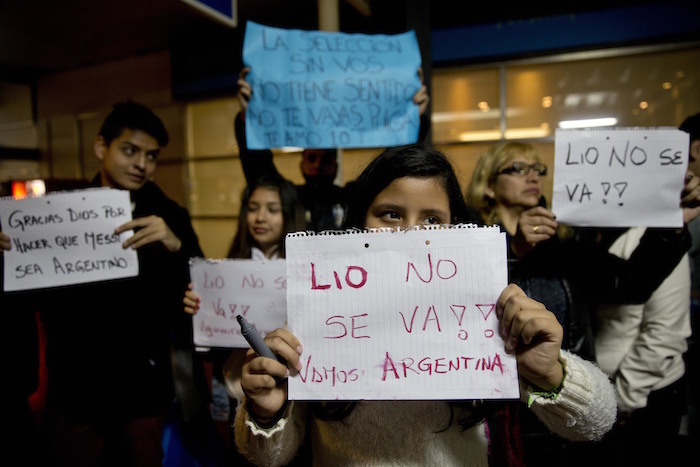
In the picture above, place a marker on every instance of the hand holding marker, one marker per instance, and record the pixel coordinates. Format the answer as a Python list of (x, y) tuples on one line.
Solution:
[(257, 343)]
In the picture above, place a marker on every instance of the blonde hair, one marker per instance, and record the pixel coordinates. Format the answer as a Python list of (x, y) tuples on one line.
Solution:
[(486, 171)]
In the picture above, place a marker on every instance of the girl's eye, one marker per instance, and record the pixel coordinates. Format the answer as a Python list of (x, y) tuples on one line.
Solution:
[(432, 220), (393, 215)]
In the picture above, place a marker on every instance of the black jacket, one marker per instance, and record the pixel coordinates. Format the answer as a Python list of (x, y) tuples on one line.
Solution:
[(109, 343), (571, 276)]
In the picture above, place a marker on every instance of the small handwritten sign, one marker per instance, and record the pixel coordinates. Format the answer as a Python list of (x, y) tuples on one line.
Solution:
[(399, 315), (315, 89), (230, 287), (620, 177), (66, 238)]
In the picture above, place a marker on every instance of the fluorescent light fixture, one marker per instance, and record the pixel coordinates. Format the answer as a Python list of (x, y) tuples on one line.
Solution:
[(524, 133), (588, 123), (514, 133), (466, 136), (442, 117), (289, 149)]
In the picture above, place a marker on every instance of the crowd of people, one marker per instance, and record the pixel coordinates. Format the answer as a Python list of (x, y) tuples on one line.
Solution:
[(598, 320)]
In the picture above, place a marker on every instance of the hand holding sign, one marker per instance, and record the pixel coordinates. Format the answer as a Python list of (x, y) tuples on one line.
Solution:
[(5, 242), (399, 315), (690, 197)]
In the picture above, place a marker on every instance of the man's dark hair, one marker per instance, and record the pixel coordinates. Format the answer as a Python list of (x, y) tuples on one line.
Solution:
[(133, 116)]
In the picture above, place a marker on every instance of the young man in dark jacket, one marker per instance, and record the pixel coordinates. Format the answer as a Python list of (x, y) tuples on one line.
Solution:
[(109, 344)]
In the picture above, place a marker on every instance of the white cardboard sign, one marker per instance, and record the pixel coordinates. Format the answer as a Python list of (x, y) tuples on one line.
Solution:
[(399, 315), (257, 290), (66, 238), (619, 177)]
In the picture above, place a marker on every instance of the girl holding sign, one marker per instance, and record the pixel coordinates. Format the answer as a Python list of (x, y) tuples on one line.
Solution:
[(269, 210), (411, 186)]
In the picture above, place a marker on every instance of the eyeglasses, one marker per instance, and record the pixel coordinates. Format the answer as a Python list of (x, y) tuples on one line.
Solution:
[(521, 169)]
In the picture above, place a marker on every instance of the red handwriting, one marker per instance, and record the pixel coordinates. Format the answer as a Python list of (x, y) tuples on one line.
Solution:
[(428, 366), (218, 282), (252, 281), (215, 283), (430, 315), (219, 310), (356, 284), (333, 374), (337, 320), (444, 269), (486, 309), (209, 330)]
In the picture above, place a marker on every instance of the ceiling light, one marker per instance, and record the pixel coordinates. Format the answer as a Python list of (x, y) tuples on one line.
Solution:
[(587, 123)]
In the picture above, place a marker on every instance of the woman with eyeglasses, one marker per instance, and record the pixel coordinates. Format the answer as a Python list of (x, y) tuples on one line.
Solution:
[(567, 269)]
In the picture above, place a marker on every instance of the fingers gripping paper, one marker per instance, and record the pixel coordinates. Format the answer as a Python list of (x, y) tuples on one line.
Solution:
[(399, 315)]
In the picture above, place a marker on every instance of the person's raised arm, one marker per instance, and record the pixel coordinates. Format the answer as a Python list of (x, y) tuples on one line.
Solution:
[(255, 163), (421, 98)]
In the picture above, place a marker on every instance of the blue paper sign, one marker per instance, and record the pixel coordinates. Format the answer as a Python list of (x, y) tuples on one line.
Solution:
[(315, 89)]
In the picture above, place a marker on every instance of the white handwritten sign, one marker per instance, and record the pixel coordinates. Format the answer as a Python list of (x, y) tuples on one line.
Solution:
[(315, 89), (66, 238), (399, 315), (620, 177), (230, 287)]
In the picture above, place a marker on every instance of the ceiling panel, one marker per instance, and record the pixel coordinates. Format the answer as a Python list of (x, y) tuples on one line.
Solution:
[(45, 36)]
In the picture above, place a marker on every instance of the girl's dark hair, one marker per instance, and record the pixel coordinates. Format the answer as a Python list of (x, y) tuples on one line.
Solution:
[(413, 160), (292, 215), (133, 116)]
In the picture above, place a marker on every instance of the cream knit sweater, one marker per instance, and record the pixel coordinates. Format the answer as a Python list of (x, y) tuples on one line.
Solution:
[(418, 433)]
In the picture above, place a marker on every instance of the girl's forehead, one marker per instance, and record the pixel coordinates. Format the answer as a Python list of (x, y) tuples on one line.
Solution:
[(520, 158), (414, 184), (265, 191), (415, 192)]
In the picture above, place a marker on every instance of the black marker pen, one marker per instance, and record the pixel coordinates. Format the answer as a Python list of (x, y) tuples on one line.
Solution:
[(257, 343), (255, 339)]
